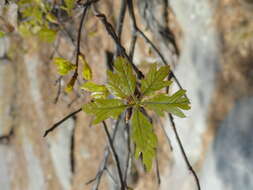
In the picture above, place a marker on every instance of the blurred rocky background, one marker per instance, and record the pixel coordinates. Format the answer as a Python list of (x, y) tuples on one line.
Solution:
[(214, 65)]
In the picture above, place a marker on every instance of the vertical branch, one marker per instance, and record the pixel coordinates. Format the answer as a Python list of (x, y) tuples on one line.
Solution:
[(115, 155), (157, 170), (128, 153), (120, 23), (183, 152)]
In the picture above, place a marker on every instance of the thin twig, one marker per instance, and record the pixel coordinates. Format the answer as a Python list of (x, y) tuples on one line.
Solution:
[(79, 35), (115, 155), (139, 31), (157, 170), (111, 175), (183, 152), (121, 17), (128, 152), (56, 125), (103, 163), (110, 30), (59, 89)]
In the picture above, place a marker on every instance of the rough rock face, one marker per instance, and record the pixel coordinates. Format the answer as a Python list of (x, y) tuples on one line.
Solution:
[(215, 67), (232, 152)]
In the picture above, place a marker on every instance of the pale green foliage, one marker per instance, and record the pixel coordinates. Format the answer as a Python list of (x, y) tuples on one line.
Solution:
[(2, 34), (104, 108), (122, 82), (164, 103), (143, 137), (154, 80), (86, 73), (69, 5), (34, 20), (63, 66), (97, 91)]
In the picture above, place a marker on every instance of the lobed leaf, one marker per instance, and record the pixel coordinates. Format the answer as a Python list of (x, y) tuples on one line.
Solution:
[(154, 80), (102, 109), (98, 91), (122, 82), (63, 66), (143, 137), (163, 103)]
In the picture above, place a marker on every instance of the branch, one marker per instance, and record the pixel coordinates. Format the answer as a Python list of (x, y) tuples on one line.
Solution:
[(79, 38), (183, 152), (115, 155), (128, 153), (157, 170), (103, 164), (110, 30), (56, 125), (148, 41)]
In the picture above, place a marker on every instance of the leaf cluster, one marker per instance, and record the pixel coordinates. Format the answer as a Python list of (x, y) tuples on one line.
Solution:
[(37, 18), (136, 95)]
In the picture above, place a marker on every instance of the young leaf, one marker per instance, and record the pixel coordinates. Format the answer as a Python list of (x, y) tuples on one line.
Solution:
[(69, 5), (164, 103), (98, 91), (143, 137), (154, 80), (122, 82), (63, 65), (71, 84), (87, 73), (104, 108), (2, 34), (47, 34)]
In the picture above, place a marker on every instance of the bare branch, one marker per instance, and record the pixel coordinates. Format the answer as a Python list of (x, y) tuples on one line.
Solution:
[(115, 155), (56, 125), (183, 151), (157, 171)]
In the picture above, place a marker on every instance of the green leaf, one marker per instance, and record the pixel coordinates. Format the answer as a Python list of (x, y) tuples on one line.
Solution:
[(143, 137), (164, 103), (104, 108), (154, 80), (71, 83), (63, 66), (98, 91), (47, 34), (122, 82), (70, 4), (51, 18), (2, 34), (86, 73)]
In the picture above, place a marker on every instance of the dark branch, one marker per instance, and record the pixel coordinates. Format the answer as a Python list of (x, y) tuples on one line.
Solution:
[(157, 170), (183, 152), (115, 155), (110, 30), (61, 121), (128, 152), (103, 164)]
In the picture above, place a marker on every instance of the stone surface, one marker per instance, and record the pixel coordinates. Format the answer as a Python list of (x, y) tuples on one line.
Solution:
[(230, 158), (70, 156)]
